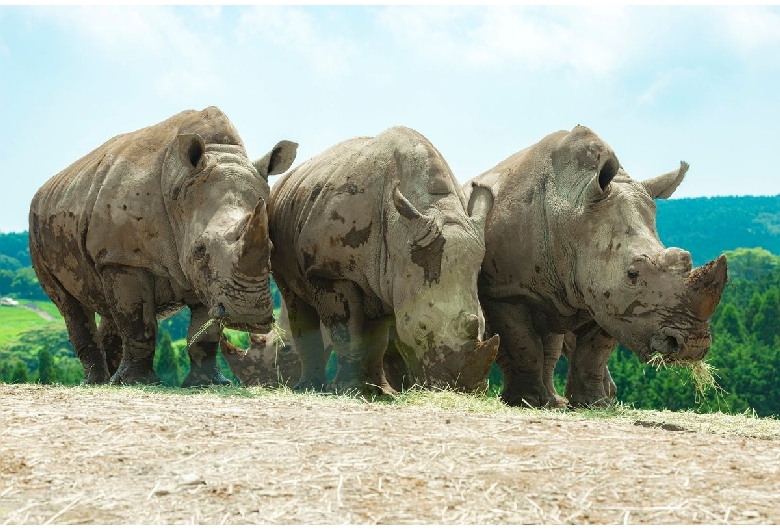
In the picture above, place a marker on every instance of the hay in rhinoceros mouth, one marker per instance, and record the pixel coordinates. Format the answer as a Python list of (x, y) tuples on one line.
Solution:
[(202, 330), (702, 373)]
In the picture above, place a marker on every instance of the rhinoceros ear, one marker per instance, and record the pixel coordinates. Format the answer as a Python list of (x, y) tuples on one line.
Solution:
[(191, 150), (277, 160), (480, 204), (607, 171), (662, 186)]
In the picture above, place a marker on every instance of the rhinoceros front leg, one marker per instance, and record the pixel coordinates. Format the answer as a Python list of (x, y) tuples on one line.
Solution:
[(130, 296), (202, 349), (360, 343), (588, 381), (110, 342), (520, 355)]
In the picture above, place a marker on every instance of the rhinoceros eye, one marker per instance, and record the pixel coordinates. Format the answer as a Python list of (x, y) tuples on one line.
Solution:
[(633, 274)]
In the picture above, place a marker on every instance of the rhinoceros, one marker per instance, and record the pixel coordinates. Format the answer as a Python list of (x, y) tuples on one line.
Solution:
[(372, 234), (168, 216), (572, 246)]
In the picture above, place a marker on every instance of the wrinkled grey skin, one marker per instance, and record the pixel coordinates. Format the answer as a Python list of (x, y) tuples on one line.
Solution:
[(571, 246), (166, 216), (271, 363), (373, 233)]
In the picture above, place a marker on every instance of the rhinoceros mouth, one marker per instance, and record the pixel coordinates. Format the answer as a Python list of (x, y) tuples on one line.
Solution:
[(676, 345), (254, 327)]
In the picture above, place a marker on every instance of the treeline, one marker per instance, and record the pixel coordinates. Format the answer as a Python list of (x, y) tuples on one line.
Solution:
[(708, 226), (17, 277)]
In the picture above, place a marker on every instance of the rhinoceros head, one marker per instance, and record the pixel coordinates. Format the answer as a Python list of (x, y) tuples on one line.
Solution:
[(645, 295), (438, 315), (219, 211)]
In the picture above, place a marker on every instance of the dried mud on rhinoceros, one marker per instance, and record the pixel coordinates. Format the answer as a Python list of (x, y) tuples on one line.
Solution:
[(373, 237), (168, 216), (572, 249)]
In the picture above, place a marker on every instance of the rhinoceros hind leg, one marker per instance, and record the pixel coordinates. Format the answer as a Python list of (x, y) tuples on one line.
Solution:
[(79, 321), (202, 349), (520, 355)]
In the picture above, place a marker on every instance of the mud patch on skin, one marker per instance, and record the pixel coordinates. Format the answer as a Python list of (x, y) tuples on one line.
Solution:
[(355, 238), (336, 217), (429, 258)]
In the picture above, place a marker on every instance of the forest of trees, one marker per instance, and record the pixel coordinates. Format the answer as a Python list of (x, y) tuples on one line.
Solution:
[(745, 327)]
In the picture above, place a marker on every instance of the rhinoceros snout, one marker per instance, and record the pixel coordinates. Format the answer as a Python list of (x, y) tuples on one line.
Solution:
[(667, 342), (677, 346)]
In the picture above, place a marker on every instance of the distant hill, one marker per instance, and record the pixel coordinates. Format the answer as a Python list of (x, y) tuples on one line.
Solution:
[(708, 226)]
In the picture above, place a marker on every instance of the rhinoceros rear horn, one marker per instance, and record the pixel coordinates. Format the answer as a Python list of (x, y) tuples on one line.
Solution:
[(255, 249), (704, 286), (404, 207)]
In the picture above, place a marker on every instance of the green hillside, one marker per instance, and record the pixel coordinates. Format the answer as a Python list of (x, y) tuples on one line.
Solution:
[(708, 226)]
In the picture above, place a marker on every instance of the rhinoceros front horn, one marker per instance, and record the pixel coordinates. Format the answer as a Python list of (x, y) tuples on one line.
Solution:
[(255, 251), (478, 363), (704, 286)]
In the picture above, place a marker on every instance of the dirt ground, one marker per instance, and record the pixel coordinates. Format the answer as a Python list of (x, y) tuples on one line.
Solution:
[(129, 456)]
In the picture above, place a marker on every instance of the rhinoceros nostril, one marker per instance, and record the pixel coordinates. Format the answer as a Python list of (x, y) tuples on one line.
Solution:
[(672, 345), (218, 311)]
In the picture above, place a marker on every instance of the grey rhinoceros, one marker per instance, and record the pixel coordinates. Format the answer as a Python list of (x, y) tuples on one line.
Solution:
[(374, 234), (572, 246), (168, 216)]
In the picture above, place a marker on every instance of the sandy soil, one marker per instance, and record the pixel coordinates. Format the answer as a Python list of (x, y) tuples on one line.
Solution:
[(109, 456)]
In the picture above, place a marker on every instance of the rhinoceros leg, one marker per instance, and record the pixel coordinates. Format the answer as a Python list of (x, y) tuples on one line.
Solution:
[(587, 382), (307, 338), (553, 345), (79, 321), (202, 349), (129, 293), (110, 343), (520, 355), (395, 366)]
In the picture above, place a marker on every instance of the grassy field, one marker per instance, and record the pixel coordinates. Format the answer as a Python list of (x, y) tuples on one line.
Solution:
[(17, 320)]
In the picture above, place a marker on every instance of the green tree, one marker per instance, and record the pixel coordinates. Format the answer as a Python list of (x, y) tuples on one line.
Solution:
[(25, 285), (5, 372), (751, 263), (728, 321), (166, 363), (766, 324), (19, 374), (753, 307), (45, 367), (6, 279)]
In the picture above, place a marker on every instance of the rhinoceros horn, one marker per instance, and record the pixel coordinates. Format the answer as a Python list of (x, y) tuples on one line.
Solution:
[(704, 286), (255, 249), (478, 363), (427, 227)]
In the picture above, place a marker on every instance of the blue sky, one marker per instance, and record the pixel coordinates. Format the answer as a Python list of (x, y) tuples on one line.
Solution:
[(660, 84)]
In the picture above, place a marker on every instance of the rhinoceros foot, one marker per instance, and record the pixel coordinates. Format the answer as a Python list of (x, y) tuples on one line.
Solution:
[(589, 401), (96, 377), (198, 378), (127, 375), (313, 385), (364, 388), (540, 399)]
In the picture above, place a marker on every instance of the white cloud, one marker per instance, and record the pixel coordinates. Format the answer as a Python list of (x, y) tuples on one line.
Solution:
[(295, 29), (159, 39), (751, 29), (594, 40)]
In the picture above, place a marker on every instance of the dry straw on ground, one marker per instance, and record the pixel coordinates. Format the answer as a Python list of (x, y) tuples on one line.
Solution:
[(147, 455)]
